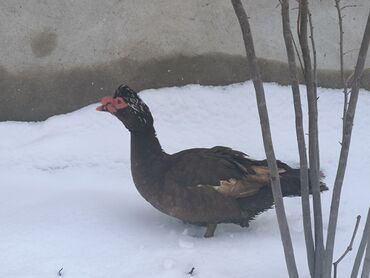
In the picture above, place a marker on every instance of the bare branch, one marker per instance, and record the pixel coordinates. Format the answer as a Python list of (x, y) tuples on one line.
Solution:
[(298, 55), (288, 38), (349, 248), (191, 272), (351, 50), (314, 73), (349, 6), (341, 57), (361, 248), (299, 20), (366, 266), (267, 140), (313, 135), (349, 80), (313, 50), (345, 149)]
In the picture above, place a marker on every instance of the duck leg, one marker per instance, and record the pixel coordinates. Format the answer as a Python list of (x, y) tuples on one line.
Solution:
[(211, 228)]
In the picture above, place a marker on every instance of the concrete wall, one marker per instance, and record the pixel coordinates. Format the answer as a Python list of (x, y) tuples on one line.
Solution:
[(57, 56)]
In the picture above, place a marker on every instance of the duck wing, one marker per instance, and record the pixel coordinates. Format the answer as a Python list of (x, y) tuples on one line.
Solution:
[(228, 171)]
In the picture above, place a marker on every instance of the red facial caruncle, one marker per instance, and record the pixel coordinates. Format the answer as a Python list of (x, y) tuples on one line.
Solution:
[(111, 104)]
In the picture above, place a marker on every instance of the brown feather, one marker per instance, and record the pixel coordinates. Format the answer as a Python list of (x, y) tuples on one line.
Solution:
[(238, 188), (249, 185)]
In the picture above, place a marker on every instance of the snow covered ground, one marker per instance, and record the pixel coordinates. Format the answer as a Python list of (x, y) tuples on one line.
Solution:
[(67, 199)]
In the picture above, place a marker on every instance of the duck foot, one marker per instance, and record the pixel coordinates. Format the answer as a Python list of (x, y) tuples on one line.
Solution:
[(244, 224), (211, 228)]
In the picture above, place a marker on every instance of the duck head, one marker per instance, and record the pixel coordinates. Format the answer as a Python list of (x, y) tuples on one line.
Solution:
[(128, 107)]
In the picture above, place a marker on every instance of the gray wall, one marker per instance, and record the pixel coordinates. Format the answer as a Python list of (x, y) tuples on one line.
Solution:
[(57, 56)]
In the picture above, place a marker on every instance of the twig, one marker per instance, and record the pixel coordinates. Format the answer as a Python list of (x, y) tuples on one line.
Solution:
[(349, 80), (267, 140), (60, 272), (361, 248), (334, 208), (288, 38), (351, 50), (349, 6), (349, 248), (191, 272)]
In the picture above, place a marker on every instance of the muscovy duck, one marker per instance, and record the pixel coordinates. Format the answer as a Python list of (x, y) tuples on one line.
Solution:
[(199, 186)]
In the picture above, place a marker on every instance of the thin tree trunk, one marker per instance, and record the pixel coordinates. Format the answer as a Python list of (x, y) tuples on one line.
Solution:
[(300, 134), (350, 114), (313, 136), (265, 126)]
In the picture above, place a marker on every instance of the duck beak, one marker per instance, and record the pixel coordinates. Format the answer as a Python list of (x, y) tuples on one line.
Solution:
[(101, 108), (106, 105), (107, 108), (111, 105)]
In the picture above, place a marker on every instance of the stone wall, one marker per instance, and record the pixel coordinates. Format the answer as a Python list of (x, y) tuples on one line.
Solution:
[(57, 56)]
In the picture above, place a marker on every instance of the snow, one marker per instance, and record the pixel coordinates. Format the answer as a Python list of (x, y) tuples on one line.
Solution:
[(67, 199)]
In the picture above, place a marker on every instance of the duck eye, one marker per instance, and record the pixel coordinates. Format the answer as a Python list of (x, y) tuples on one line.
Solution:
[(119, 103)]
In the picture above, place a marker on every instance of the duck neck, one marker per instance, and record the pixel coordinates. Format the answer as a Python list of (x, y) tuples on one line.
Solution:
[(147, 156)]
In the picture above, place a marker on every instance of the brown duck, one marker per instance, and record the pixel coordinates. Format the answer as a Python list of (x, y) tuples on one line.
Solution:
[(199, 186)]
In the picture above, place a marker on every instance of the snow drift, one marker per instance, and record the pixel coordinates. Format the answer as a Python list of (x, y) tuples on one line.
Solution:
[(67, 199)]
